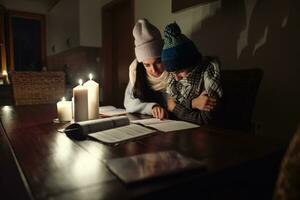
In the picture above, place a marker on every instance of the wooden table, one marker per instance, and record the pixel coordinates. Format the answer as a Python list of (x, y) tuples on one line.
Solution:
[(6, 95), (37, 162)]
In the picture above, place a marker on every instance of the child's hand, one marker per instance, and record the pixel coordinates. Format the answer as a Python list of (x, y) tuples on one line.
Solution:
[(204, 102), (159, 112)]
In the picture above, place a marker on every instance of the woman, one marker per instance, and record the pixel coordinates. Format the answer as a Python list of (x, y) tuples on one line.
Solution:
[(145, 92)]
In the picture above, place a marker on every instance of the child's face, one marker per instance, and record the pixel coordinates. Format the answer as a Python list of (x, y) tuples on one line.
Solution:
[(181, 74), (153, 67)]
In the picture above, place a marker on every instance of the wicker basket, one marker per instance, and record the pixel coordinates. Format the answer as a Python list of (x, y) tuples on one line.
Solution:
[(37, 87)]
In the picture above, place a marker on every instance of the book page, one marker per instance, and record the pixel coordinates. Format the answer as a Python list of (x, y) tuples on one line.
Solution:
[(173, 126), (165, 125), (121, 134), (106, 108), (111, 111), (150, 121), (117, 111)]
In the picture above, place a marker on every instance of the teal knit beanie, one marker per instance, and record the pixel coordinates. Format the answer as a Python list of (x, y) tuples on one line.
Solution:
[(179, 52)]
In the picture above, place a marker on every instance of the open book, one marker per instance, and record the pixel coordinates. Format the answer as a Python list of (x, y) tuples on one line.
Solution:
[(165, 125), (150, 165), (111, 111), (119, 129), (107, 130)]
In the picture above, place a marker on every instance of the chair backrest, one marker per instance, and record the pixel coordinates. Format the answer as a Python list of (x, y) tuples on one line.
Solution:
[(37, 87), (240, 90), (288, 182)]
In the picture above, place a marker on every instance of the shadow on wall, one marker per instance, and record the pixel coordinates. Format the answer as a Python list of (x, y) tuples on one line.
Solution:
[(264, 34), (77, 63), (219, 33)]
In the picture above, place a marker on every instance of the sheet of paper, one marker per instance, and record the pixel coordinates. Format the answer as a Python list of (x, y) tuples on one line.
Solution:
[(122, 133), (118, 111), (106, 108), (150, 121), (111, 111), (173, 126)]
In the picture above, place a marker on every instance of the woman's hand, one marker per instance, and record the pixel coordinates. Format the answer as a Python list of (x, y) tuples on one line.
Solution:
[(159, 112), (171, 104), (204, 102)]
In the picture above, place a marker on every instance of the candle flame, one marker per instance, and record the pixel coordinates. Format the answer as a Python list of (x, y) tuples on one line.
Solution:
[(4, 72), (90, 76), (63, 99), (80, 81)]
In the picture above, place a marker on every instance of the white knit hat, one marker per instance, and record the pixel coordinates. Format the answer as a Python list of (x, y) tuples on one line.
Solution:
[(147, 40)]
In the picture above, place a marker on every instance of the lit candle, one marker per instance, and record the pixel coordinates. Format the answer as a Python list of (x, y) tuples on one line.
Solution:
[(4, 72), (5, 77), (73, 108), (80, 94), (93, 97), (64, 110)]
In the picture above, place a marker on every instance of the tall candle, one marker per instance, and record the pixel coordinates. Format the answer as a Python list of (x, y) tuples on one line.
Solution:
[(80, 94), (73, 108), (64, 110), (93, 97)]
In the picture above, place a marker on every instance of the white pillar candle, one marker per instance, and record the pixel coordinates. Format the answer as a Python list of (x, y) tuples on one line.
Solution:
[(93, 97), (5, 77), (73, 108), (80, 94), (4, 73), (64, 110)]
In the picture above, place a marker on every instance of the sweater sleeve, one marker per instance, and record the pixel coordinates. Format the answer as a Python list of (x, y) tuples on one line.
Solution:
[(184, 110), (135, 105), (192, 115)]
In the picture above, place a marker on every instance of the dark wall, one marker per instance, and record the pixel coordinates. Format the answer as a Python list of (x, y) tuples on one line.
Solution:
[(78, 63), (264, 34)]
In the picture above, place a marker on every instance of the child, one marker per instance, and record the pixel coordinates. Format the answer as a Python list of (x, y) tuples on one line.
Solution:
[(194, 85)]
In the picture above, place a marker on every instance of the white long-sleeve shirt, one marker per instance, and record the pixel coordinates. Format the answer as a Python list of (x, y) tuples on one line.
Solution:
[(136, 105)]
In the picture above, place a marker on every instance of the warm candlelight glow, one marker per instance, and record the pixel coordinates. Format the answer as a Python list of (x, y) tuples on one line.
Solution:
[(93, 97), (80, 94), (64, 110), (4, 73)]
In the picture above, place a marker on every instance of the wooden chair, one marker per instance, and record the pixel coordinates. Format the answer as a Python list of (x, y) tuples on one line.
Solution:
[(288, 182), (37, 87), (240, 90)]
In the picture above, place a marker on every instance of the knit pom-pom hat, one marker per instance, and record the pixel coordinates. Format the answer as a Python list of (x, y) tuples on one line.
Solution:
[(179, 52), (147, 40)]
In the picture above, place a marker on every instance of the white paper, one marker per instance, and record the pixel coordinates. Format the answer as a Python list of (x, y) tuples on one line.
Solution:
[(166, 125), (106, 108), (122, 133), (150, 121), (111, 111)]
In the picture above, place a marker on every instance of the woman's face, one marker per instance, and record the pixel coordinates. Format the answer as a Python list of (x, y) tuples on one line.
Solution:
[(153, 67)]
